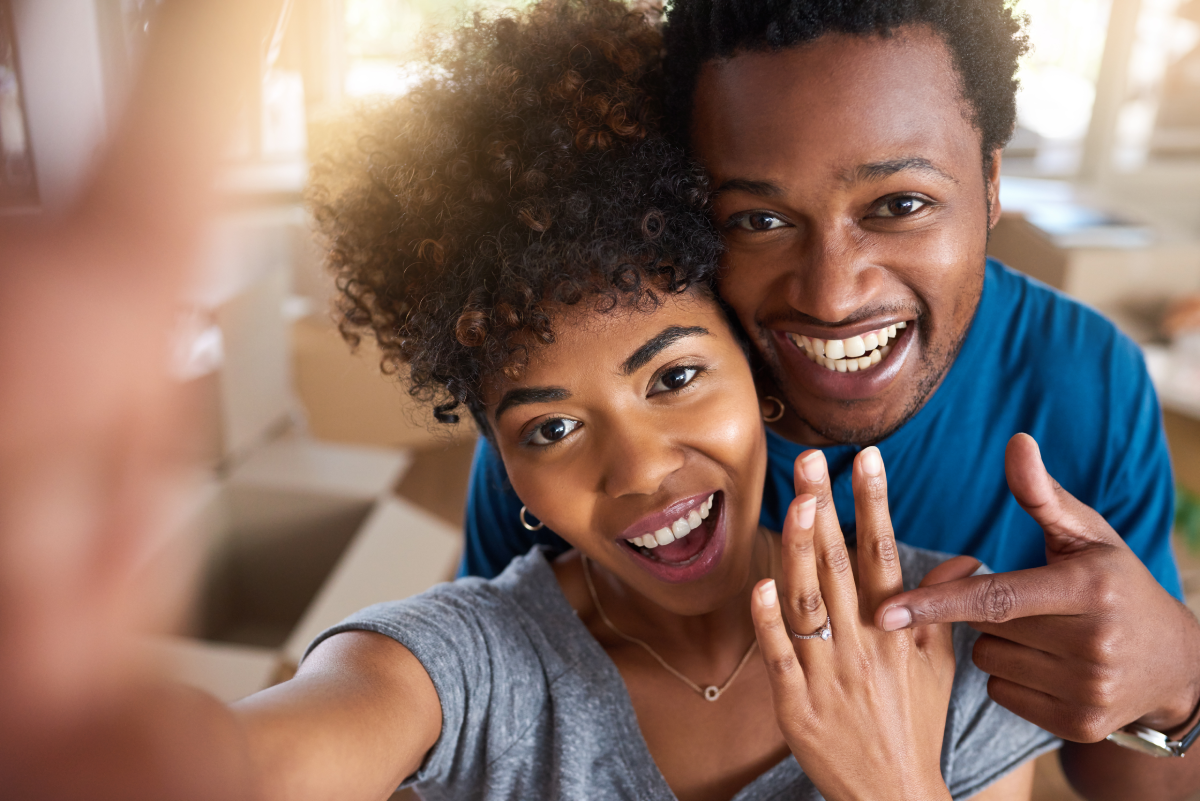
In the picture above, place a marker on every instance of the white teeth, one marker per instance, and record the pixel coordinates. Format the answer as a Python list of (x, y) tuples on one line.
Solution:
[(678, 529), (849, 355)]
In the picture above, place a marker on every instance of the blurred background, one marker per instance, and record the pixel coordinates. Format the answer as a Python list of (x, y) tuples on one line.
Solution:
[(313, 463)]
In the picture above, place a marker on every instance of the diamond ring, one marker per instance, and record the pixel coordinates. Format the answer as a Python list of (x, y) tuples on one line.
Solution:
[(823, 633)]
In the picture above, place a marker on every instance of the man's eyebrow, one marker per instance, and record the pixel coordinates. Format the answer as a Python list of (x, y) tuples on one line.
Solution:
[(664, 339), (527, 395), (878, 170), (760, 188)]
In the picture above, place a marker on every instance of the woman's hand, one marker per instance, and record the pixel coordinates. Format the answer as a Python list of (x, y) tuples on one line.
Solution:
[(863, 711)]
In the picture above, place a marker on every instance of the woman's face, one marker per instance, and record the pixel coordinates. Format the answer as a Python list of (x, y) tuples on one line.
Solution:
[(624, 428)]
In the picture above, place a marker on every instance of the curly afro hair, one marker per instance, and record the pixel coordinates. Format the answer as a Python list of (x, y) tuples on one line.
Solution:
[(985, 38), (526, 170)]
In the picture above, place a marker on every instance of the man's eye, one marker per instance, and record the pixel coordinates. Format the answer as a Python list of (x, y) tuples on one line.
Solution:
[(552, 431), (674, 379), (900, 206), (756, 221)]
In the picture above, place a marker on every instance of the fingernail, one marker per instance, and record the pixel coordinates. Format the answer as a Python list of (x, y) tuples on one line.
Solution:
[(871, 461), (768, 594), (897, 617), (813, 466), (807, 513)]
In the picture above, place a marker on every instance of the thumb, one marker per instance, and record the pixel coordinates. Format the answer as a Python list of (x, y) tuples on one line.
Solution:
[(1070, 526)]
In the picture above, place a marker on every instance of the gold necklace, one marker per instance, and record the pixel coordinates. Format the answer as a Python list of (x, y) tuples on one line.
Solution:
[(709, 693)]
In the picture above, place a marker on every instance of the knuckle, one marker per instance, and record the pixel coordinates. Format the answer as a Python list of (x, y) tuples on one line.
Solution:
[(782, 666), (995, 601), (835, 560), (824, 501), (882, 550), (808, 602), (1106, 593), (1102, 647)]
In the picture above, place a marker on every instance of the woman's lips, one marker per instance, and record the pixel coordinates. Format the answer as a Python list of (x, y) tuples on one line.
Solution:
[(691, 556)]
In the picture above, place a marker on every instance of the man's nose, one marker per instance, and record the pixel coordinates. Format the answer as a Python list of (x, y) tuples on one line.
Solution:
[(832, 275), (636, 460)]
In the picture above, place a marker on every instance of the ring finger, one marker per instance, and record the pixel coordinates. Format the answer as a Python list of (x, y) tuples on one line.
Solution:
[(804, 607)]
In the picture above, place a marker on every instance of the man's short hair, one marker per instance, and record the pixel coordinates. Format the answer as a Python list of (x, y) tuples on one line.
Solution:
[(985, 38)]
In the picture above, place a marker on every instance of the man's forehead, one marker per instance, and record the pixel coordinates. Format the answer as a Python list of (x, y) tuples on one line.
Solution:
[(843, 102)]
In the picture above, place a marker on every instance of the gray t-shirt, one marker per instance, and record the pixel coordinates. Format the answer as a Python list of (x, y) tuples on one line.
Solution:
[(533, 708)]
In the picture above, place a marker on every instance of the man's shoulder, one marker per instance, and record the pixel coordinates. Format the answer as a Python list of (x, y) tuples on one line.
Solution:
[(1039, 335)]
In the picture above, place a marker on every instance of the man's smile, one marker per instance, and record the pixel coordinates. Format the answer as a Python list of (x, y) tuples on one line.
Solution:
[(852, 354)]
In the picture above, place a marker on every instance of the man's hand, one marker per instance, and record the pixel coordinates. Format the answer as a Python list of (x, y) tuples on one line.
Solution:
[(1083, 646)]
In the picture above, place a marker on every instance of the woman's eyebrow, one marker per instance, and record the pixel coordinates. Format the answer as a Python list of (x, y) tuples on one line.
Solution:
[(664, 339), (527, 395)]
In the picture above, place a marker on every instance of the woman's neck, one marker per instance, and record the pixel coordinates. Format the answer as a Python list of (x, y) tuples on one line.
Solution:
[(713, 637)]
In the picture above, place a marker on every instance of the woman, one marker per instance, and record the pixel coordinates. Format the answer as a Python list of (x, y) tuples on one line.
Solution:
[(523, 243)]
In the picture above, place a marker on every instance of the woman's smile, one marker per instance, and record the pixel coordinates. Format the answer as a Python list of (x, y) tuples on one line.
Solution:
[(682, 542)]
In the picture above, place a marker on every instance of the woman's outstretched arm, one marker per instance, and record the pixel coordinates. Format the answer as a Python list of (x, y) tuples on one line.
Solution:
[(359, 716)]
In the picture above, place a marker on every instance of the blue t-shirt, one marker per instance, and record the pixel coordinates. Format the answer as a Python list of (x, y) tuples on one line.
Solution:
[(1034, 361)]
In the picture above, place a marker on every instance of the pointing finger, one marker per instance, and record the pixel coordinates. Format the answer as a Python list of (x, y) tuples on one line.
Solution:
[(992, 598)]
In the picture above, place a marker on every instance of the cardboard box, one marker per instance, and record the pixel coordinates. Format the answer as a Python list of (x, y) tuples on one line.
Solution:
[(243, 391), (272, 532), (346, 398), (1117, 281), (400, 551)]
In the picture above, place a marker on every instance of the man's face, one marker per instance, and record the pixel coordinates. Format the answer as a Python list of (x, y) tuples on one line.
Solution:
[(851, 192)]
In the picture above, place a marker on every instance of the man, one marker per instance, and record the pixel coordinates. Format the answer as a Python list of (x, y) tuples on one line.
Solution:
[(855, 149)]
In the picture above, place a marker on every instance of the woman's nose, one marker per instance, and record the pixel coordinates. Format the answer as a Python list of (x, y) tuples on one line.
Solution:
[(636, 461)]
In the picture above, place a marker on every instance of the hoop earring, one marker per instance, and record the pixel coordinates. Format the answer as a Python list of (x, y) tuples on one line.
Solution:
[(779, 414), (525, 522)]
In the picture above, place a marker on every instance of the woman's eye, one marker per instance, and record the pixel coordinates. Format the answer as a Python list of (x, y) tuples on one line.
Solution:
[(674, 379), (756, 221), (552, 431), (899, 206)]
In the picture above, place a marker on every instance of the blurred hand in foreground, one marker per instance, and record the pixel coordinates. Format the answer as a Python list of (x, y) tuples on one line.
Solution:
[(90, 429)]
